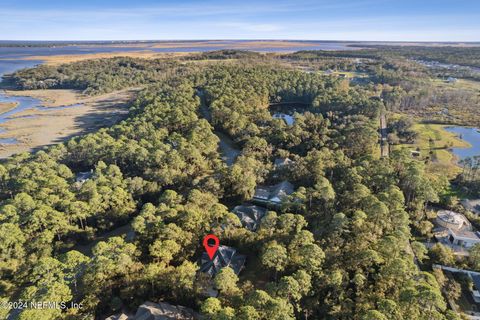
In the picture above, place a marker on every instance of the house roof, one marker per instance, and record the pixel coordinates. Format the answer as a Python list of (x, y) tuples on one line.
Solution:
[(476, 280), (83, 176), (274, 193), (163, 311), (280, 162), (250, 215), (158, 311), (121, 316), (224, 257), (454, 219), (289, 119), (282, 189), (473, 235), (471, 204), (262, 193)]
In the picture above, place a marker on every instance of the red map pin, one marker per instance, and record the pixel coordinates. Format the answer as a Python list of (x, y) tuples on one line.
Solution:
[(211, 249)]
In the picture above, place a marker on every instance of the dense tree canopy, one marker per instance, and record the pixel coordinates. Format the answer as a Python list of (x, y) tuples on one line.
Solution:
[(337, 249)]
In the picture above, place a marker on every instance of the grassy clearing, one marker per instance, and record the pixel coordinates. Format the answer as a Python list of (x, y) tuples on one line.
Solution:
[(434, 144), (464, 84), (348, 74)]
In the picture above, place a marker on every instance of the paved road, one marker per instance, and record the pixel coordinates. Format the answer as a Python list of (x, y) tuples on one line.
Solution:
[(383, 136), (228, 148)]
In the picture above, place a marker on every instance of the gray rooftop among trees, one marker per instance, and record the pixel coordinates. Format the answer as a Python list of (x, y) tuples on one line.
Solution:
[(224, 257), (250, 215), (273, 194), (159, 311)]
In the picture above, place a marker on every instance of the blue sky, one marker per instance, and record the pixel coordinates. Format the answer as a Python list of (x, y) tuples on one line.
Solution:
[(383, 20)]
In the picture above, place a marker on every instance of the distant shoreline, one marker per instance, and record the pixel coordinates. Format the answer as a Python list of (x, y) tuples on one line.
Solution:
[(218, 42)]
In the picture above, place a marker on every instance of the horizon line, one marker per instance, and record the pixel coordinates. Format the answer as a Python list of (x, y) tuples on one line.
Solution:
[(246, 39)]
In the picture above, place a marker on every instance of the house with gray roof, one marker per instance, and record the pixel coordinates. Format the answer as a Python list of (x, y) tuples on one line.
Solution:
[(289, 119), (250, 215), (476, 287), (451, 80), (472, 205), (159, 311), (273, 194), (164, 311), (224, 257), (280, 163), (83, 177)]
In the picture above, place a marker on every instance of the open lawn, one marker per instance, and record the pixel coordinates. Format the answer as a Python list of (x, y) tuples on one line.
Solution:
[(464, 84), (434, 144), (349, 74)]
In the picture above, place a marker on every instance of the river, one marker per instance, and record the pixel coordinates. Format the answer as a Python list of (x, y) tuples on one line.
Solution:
[(176, 46), (470, 135), (23, 103)]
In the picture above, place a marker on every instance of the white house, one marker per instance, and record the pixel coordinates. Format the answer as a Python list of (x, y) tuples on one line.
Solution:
[(464, 238), (453, 220), (454, 230)]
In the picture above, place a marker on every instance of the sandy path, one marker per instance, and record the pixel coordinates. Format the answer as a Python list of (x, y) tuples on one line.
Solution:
[(7, 106)]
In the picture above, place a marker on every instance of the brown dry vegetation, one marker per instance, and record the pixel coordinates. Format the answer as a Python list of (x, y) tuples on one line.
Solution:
[(145, 54), (52, 126)]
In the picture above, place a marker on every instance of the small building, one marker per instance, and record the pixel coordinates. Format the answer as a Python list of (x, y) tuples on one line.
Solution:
[(250, 215), (121, 316), (159, 311), (453, 220), (164, 311), (464, 238), (83, 177), (273, 194), (452, 80), (282, 162), (476, 287), (415, 153), (224, 257), (454, 230), (471, 205), (289, 119)]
